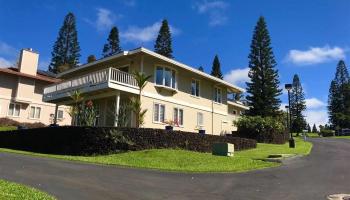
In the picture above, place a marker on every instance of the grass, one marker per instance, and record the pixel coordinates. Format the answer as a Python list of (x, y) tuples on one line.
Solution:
[(189, 161), (342, 137), (14, 191), (7, 128)]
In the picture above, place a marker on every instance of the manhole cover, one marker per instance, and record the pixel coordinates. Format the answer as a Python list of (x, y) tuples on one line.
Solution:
[(339, 197)]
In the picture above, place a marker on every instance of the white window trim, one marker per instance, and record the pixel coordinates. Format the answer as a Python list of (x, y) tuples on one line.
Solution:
[(35, 110), (14, 106), (159, 105), (178, 114), (199, 88), (215, 94), (163, 84)]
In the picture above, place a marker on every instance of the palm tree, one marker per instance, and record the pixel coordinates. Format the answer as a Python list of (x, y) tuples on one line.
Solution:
[(77, 97), (141, 80)]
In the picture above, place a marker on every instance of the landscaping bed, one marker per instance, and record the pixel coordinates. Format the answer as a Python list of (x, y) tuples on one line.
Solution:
[(14, 191), (70, 140)]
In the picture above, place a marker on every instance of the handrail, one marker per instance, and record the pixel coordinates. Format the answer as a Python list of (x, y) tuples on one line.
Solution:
[(101, 76)]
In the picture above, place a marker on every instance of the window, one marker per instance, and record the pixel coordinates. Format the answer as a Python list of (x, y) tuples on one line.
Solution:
[(234, 112), (14, 109), (195, 87), (60, 114), (199, 119), (179, 116), (166, 77), (159, 112), (34, 112), (217, 95)]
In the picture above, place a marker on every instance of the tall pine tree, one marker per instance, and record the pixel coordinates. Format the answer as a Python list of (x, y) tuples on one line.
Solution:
[(66, 50), (163, 44), (216, 68), (112, 46), (200, 68), (314, 129), (263, 88), (298, 105), (308, 128), (338, 104)]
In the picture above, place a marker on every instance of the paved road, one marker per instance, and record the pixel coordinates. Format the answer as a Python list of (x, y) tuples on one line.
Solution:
[(325, 171)]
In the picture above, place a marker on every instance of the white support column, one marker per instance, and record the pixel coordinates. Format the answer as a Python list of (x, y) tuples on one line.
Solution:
[(117, 102)]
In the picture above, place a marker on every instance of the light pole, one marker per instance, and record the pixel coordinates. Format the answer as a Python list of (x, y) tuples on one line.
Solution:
[(287, 107), (288, 87)]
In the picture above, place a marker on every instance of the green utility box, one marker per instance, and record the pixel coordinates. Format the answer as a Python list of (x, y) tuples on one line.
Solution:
[(223, 149)]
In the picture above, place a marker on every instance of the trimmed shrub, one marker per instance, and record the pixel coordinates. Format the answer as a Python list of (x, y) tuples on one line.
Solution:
[(327, 133), (262, 129), (103, 140), (10, 122)]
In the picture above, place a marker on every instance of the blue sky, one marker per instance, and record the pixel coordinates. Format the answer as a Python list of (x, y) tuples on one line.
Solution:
[(308, 37)]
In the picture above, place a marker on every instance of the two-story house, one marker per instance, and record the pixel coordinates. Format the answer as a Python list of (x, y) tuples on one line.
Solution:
[(21, 92), (194, 99)]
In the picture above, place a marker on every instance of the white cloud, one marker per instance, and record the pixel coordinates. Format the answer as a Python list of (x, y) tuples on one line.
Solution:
[(137, 34), (215, 9), (315, 55), (105, 19), (237, 76), (318, 117), (6, 49), (130, 3), (283, 106), (313, 103), (5, 63)]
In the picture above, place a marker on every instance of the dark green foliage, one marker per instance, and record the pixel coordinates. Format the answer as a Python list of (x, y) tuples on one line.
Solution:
[(298, 105), (314, 129), (262, 129), (163, 44), (66, 50), (339, 98), (10, 122), (216, 68), (73, 140), (327, 133), (112, 46), (200, 68), (91, 58), (263, 88), (308, 128)]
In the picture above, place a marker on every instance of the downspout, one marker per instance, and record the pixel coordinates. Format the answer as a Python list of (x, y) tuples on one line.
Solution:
[(212, 110)]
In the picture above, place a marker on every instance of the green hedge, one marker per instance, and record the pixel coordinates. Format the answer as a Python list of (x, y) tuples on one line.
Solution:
[(262, 129)]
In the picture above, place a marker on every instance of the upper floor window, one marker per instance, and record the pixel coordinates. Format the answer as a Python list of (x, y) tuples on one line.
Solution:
[(218, 95), (166, 77), (14, 110), (35, 112), (179, 116), (195, 87), (159, 112)]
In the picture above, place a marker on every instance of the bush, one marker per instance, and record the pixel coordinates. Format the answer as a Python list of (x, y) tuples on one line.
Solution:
[(262, 129), (103, 140), (11, 122), (327, 133)]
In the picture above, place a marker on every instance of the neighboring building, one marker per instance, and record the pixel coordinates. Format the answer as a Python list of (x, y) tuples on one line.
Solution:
[(175, 92), (21, 91)]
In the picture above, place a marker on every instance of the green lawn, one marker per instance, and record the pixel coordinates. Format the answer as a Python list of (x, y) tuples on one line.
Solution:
[(7, 128), (342, 137), (14, 191), (189, 161)]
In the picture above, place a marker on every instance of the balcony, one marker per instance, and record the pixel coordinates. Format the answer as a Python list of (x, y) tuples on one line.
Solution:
[(106, 79)]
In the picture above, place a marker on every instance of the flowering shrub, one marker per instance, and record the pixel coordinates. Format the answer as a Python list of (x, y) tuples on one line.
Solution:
[(87, 115)]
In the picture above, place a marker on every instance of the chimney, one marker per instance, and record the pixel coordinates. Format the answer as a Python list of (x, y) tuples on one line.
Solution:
[(28, 61)]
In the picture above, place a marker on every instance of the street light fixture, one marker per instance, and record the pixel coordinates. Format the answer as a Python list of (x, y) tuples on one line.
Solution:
[(288, 87)]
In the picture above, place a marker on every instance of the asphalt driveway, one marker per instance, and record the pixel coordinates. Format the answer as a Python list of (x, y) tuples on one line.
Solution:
[(326, 171)]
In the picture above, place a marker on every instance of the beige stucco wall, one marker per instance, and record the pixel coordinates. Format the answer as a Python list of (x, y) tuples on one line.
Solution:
[(217, 119), (31, 91)]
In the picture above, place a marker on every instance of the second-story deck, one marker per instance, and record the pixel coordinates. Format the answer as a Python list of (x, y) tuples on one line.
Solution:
[(109, 78)]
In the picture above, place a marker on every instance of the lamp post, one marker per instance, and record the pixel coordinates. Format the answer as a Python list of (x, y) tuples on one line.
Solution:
[(288, 87), (287, 108)]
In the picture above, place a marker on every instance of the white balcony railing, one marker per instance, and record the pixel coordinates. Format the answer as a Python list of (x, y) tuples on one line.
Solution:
[(103, 76)]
